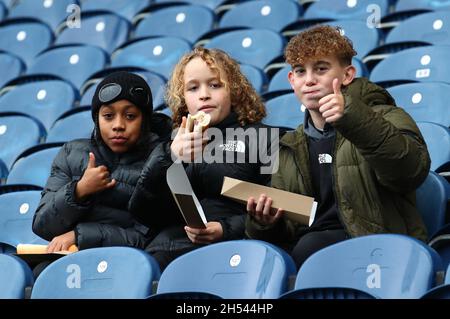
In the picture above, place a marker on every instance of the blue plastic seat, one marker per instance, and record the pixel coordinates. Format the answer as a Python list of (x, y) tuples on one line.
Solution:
[(431, 201), (264, 14), (11, 67), (212, 4), (346, 10), (424, 101), (408, 5), (74, 63), (185, 21), (364, 39), (25, 38), (126, 9), (3, 10), (384, 266), (105, 30), (42, 100), (433, 28), (15, 276), (437, 138), (256, 76), (73, 126), (98, 273), (284, 111), (422, 64), (159, 54), (33, 168), (231, 269), (441, 291), (17, 133), (256, 47), (52, 12), (16, 218)]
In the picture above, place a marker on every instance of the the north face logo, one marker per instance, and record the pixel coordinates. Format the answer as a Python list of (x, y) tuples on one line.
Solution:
[(325, 159), (234, 146)]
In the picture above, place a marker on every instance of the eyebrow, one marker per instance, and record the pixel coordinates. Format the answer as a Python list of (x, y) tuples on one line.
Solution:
[(215, 78), (125, 108)]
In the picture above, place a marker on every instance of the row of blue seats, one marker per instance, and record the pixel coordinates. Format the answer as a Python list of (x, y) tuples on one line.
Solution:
[(377, 266)]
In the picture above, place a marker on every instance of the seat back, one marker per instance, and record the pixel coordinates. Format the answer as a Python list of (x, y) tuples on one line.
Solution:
[(127, 9), (11, 67), (255, 76), (16, 218), (34, 168), (15, 276), (284, 111), (231, 269), (437, 138), (384, 265), (75, 126), (346, 10), (98, 273), (256, 47)]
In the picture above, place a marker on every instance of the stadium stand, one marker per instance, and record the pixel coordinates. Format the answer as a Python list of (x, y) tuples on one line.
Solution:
[(126, 9), (71, 125), (15, 276)]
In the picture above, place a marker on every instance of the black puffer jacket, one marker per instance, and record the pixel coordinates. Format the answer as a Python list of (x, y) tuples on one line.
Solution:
[(105, 220), (206, 179)]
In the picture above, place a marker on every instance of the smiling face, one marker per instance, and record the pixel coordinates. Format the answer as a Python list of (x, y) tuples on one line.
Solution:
[(120, 125), (314, 80), (204, 91)]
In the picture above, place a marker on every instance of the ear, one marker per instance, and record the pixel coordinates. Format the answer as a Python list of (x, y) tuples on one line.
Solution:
[(291, 79), (350, 73)]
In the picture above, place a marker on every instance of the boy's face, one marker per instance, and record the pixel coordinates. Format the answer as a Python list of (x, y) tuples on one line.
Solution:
[(314, 80), (120, 125), (203, 91)]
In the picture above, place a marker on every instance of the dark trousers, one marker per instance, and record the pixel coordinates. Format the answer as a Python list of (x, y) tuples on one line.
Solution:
[(312, 242)]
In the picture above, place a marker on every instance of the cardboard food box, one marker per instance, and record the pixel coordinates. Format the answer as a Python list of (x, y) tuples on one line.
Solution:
[(296, 207), (34, 254)]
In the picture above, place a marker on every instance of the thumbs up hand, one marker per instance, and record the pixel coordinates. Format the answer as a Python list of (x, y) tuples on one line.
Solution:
[(95, 179), (332, 105)]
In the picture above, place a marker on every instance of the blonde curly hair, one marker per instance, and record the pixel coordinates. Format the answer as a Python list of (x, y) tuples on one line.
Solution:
[(244, 99), (318, 42)]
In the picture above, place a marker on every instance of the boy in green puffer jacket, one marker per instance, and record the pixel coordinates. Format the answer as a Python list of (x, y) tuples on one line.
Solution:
[(357, 154)]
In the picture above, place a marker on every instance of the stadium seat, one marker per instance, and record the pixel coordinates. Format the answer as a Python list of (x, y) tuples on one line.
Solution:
[(185, 21), (52, 12), (384, 266), (98, 273), (105, 30), (159, 54), (71, 126), (424, 101), (256, 47), (126, 9), (74, 63), (422, 64), (431, 199), (42, 100), (256, 76), (25, 38), (16, 218), (17, 133), (212, 4), (11, 67), (15, 276), (263, 14), (364, 38), (437, 138), (34, 166), (432, 28), (231, 269), (284, 111), (346, 10), (408, 5), (3, 10)]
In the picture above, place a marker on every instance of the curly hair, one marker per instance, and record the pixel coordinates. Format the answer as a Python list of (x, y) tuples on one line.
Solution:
[(318, 42), (244, 99)]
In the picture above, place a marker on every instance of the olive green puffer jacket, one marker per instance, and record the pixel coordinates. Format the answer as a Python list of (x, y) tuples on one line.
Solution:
[(379, 160)]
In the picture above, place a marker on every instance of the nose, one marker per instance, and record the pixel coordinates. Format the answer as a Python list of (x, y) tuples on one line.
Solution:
[(204, 93), (118, 124), (310, 79)]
